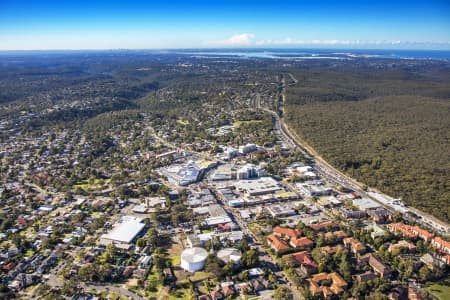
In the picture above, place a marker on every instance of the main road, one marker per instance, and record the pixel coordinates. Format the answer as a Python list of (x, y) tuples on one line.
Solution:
[(327, 171)]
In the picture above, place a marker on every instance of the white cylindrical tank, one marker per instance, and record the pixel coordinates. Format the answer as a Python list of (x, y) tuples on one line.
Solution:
[(230, 254), (193, 259)]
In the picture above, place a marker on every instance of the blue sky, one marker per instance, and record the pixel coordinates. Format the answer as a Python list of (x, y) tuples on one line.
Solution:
[(132, 24)]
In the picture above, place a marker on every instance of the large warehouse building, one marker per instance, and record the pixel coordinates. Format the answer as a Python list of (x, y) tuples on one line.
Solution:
[(124, 232), (193, 259)]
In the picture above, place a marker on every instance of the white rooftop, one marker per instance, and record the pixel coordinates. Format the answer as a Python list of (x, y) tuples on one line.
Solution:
[(230, 254), (258, 186), (217, 220), (125, 230), (255, 272), (202, 210), (366, 203)]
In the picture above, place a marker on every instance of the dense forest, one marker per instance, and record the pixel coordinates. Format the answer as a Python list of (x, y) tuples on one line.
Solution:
[(387, 126)]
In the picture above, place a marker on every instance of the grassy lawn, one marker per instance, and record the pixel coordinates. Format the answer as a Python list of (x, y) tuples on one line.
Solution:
[(174, 252), (114, 296), (183, 122), (200, 276), (255, 228), (440, 291), (175, 295), (32, 289), (202, 289), (156, 293), (176, 260), (97, 184), (97, 215), (152, 276), (182, 294)]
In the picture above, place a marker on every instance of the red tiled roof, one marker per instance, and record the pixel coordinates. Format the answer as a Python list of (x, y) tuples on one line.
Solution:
[(332, 250), (321, 226), (411, 231), (301, 242), (356, 246), (422, 232), (440, 243), (227, 291), (447, 259), (9, 267), (303, 258), (338, 284), (336, 234), (277, 243), (289, 232)]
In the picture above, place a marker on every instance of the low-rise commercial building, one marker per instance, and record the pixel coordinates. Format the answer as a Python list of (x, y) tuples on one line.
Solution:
[(124, 233), (257, 187)]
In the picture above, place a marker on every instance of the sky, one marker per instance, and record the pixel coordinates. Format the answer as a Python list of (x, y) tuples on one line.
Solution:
[(130, 24)]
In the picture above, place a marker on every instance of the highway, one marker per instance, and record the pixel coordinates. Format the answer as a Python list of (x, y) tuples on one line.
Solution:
[(331, 174)]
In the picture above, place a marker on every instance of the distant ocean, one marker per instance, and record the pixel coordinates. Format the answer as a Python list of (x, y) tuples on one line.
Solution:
[(278, 53), (317, 53)]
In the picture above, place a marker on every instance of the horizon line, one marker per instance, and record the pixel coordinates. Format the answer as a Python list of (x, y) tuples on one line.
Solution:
[(222, 48)]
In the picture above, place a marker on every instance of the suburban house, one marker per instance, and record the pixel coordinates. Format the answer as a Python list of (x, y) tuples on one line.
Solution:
[(354, 245), (379, 267), (287, 232), (302, 242), (276, 243), (441, 244), (319, 284), (302, 259)]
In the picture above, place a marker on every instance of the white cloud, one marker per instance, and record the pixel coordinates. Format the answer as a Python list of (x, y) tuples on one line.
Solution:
[(242, 39)]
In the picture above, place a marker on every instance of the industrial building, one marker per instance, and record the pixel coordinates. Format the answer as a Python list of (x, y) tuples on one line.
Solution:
[(217, 215), (124, 232), (214, 221)]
